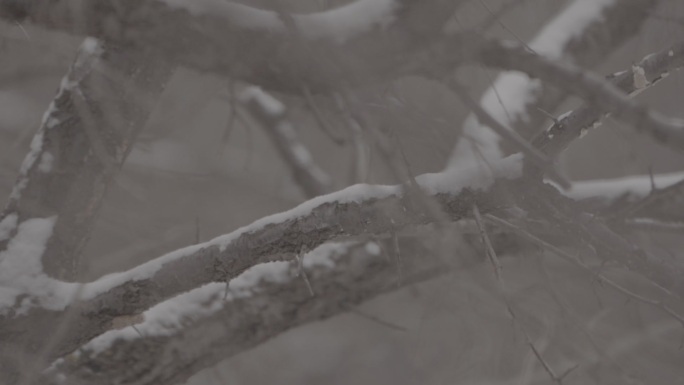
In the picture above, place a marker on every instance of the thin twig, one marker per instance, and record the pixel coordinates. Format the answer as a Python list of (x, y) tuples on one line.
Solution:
[(577, 262), (494, 260)]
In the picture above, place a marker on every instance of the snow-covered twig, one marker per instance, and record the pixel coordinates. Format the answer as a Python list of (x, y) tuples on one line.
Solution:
[(631, 188), (270, 113)]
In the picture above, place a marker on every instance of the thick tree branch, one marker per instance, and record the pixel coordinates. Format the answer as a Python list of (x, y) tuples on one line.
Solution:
[(361, 42), (263, 303), (355, 211)]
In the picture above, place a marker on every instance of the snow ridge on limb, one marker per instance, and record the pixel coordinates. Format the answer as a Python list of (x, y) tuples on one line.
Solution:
[(585, 32)]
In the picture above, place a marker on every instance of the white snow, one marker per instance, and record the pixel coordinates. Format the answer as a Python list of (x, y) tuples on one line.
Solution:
[(339, 24), (274, 272), (8, 224), (30, 159), (21, 268), (476, 178), (267, 102), (507, 98), (323, 255), (46, 161), (373, 248), (637, 186)]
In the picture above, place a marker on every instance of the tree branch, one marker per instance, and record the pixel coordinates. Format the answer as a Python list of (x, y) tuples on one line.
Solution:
[(354, 44), (645, 74)]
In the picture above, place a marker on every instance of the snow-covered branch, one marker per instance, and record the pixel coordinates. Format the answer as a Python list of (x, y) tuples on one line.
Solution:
[(354, 211), (197, 329), (74, 156), (203, 326)]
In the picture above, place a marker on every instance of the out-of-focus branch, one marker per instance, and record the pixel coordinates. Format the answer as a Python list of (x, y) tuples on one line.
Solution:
[(271, 115), (82, 141), (85, 136), (354, 44)]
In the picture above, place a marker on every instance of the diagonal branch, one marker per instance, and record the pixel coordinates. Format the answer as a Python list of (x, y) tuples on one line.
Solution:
[(264, 302), (76, 154), (644, 74), (271, 114), (589, 86)]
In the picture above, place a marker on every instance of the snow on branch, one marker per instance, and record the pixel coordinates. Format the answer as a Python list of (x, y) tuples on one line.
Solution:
[(636, 187), (202, 327), (574, 124), (73, 158), (219, 320), (585, 32), (354, 211), (588, 85)]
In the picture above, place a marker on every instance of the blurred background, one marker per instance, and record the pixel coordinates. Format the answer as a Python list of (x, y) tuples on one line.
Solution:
[(200, 168)]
